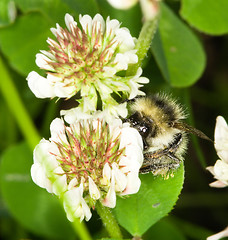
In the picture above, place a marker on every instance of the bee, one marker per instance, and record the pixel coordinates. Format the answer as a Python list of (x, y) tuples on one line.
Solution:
[(159, 120)]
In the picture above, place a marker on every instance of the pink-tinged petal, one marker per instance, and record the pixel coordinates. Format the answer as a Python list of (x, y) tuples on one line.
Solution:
[(150, 9), (133, 184), (218, 184), (220, 172), (219, 235), (40, 86)]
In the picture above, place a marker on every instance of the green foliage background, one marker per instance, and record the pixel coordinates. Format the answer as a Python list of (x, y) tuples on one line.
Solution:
[(188, 58)]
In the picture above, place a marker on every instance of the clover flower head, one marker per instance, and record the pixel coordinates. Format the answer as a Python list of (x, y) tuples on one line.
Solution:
[(220, 169), (88, 161), (88, 60)]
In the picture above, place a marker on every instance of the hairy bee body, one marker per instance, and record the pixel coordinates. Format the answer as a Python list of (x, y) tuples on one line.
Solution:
[(159, 120)]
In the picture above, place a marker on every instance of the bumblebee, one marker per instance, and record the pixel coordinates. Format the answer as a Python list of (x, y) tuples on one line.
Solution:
[(159, 120)]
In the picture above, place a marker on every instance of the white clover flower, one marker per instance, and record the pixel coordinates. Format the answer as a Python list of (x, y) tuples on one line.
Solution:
[(150, 8), (122, 4), (74, 114), (220, 169), (88, 161), (88, 60)]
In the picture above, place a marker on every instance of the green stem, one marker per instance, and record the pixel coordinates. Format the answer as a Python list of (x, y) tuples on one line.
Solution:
[(195, 140), (81, 230), (143, 44), (109, 221), (17, 108), (27, 127)]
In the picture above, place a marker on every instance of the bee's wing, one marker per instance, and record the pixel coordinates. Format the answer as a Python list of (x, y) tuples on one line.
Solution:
[(189, 129)]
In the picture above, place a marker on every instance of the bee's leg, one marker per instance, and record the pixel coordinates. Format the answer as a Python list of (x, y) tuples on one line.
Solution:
[(162, 161), (176, 143), (160, 165)]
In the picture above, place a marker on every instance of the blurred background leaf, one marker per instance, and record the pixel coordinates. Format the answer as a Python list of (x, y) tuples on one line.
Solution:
[(208, 16), (31, 32), (7, 12), (177, 51), (165, 229)]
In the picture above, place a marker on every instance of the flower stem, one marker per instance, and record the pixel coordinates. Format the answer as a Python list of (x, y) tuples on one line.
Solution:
[(17, 108), (81, 230), (109, 221), (27, 127), (143, 44)]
